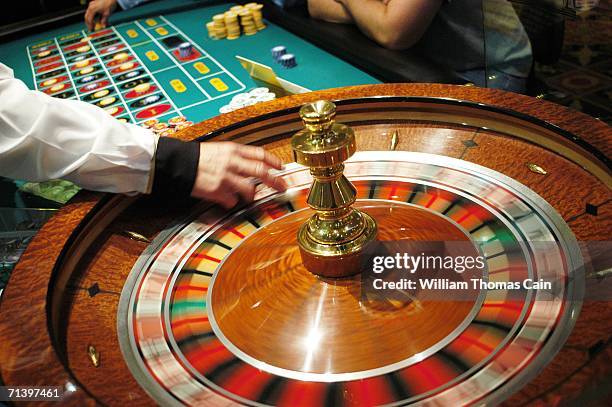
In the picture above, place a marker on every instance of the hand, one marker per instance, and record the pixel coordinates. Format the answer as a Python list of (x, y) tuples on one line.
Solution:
[(99, 9), (227, 171)]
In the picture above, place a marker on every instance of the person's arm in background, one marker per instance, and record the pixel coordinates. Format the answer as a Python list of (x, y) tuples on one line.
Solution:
[(394, 24), (100, 10), (44, 138), (329, 10)]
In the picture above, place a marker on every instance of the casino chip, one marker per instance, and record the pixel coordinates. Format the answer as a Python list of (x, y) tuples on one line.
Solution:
[(174, 121), (232, 26), (120, 56), (58, 87), (101, 93), (255, 9), (112, 110), (167, 132), (210, 26), (279, 54), (260, 91), (129, 75), (88, 79), (185, 49), (89, 87), (250, 98), (165, 129), (110, 49), (134, 83), (149, 123), (107, 101), (219, 26), (49, 82), (288, 61), (142, 88), (149, 100), (278, 51), (126, 66), (159, 126), (86, 71), (183, 125), (82, 64), (247, 22)]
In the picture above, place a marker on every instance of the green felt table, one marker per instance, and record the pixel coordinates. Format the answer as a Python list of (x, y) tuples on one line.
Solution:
[(195, 87)]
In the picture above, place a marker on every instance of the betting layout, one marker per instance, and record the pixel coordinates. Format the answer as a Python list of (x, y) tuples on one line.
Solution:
[(136, 71)]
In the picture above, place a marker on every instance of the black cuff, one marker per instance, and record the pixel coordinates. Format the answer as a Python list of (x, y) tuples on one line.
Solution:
[(176, 166)]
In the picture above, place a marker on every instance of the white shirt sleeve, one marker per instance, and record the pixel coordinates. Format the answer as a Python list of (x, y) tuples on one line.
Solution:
[(44, 138)]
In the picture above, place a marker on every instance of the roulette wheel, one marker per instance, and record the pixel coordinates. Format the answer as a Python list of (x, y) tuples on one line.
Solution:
[(133, 301)]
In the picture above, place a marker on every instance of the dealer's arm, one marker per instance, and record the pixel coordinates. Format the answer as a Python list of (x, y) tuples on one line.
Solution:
[(44, 138)]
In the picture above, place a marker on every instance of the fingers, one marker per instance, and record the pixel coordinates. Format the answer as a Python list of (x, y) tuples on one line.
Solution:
[(226, 199), (242, 186), (226, 172), (104, 20), (259, 154), (261, 170), (89, 17)]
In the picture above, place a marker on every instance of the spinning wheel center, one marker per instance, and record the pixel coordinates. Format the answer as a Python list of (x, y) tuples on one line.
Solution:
[(271, 311)]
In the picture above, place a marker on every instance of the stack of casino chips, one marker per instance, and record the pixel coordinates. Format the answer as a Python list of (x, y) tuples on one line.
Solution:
[(219, 30), (257, 14), (231, 25), (250, 98), (210, 26), (107, 101), (174, 124), (185, 49), (278, 51), (247, 20), (288, 61)]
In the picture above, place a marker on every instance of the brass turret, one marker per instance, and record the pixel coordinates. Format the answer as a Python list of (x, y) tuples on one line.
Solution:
[(333, 239)]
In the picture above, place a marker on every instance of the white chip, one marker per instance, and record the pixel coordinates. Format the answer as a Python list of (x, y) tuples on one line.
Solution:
[(267, 97), (226, 109), (240, 98)]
